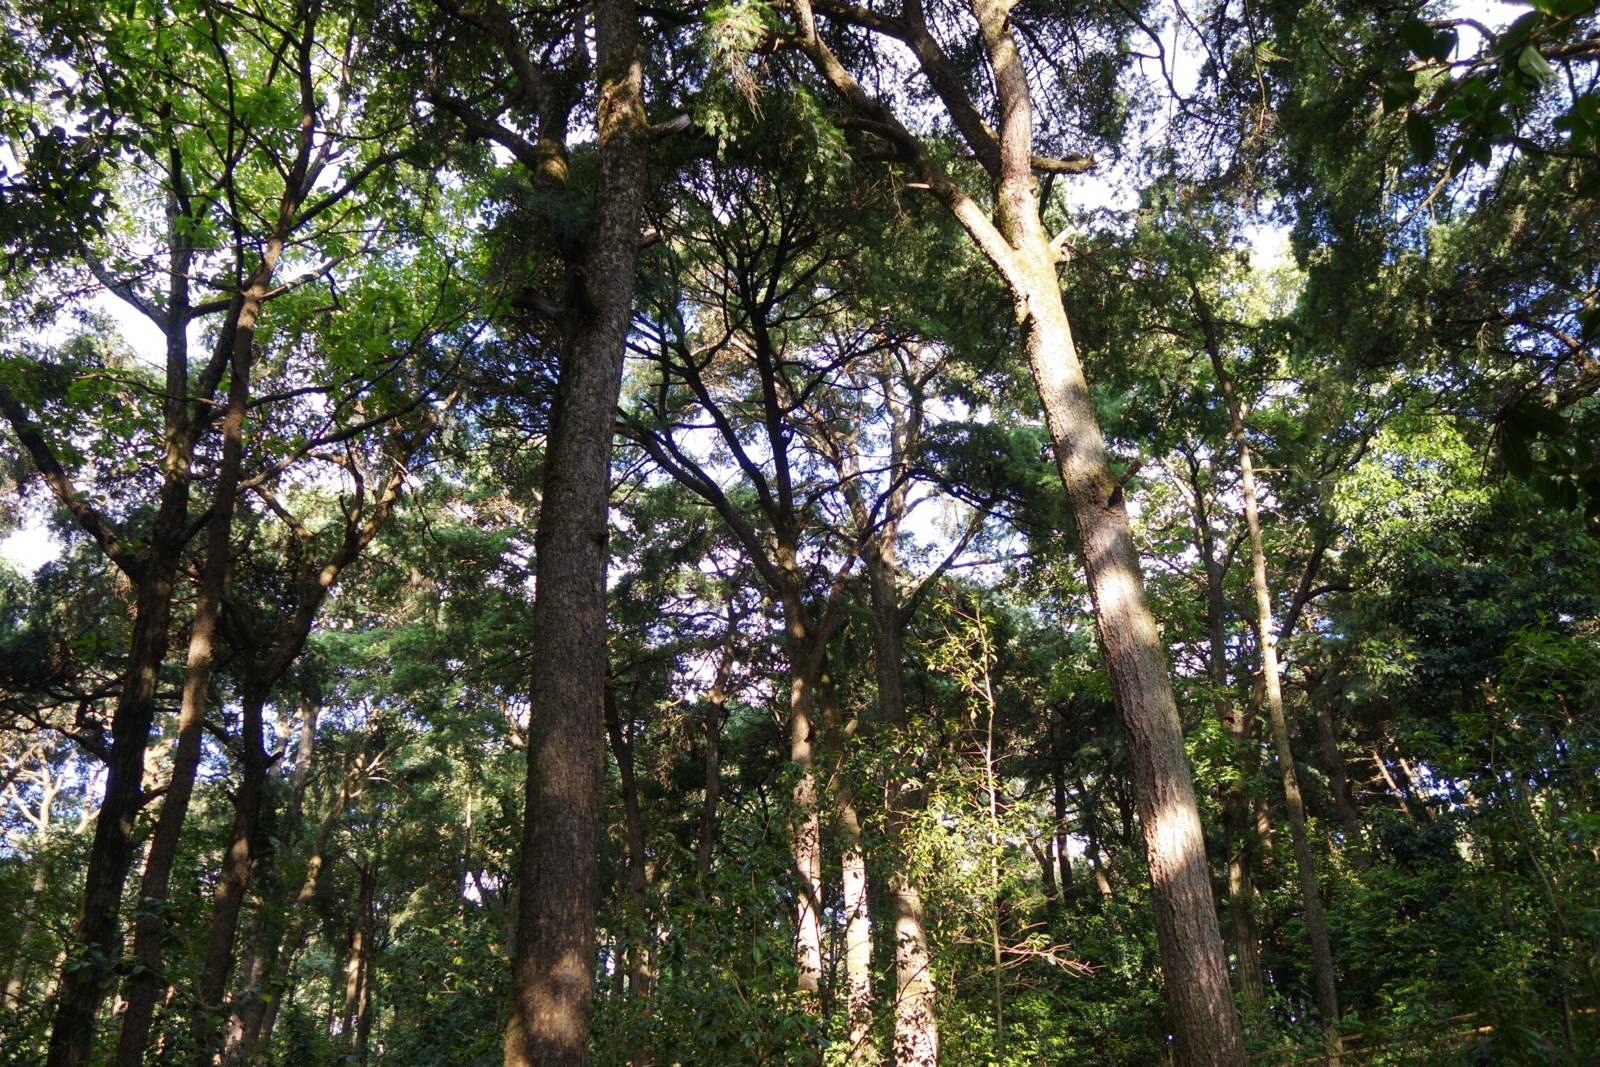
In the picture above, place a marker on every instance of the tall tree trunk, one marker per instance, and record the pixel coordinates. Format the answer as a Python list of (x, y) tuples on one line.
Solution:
[(358, 966), (252, 1028), (111, 855), (95, 944), (1239, 841), (361, 1038), (237, 860), (553, 966), (858, 933), (853, 896), (1339, 782), (96, 940), (1058, 800), (147, 984), (352, 980), (1194, 971), (1266, 634), (1012, 238), (805, 835), (916, 1023), (641, 949), (716, 709), (250, 1003)]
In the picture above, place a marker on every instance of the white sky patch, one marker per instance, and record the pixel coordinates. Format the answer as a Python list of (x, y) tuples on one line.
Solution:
[(30, 546)]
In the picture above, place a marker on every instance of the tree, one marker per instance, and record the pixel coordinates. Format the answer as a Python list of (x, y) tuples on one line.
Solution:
[(879, 694), (1013, 238)]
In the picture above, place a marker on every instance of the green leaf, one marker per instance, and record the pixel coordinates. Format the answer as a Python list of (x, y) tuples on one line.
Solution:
[(1420, 132), (1518, 456), (1562, 8), (1401, 91), (1517, 34), (1589, 319), (1417, 36), (1530, 418), (1531, 63)]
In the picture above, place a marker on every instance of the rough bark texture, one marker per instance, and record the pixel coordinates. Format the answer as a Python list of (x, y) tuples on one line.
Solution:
[(916, 1025), (147, 986), (96, 940), (805, 835), (853, 886), (554, 954), (1200, 1005), (228, 900), (641, 946)]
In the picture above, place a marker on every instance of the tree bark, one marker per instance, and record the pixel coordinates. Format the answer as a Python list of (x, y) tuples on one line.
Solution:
[(247, 1006), (352, 981), (255, 1013), (369, 937), (96, 940), (228, 900), (1339, 782), (255, 1047), (553, 967), (148, 983), (358, 967), (916, 1024), (805, 836), (641, 948), (1198, 1000), (1239, 840), (1012, 238), (1266, 634), (853, 895)]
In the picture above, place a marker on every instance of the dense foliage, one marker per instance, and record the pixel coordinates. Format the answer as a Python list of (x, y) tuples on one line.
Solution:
[(304, 316)]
